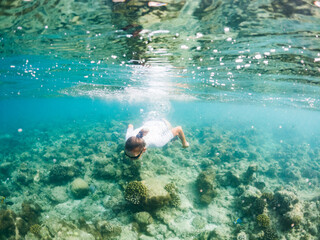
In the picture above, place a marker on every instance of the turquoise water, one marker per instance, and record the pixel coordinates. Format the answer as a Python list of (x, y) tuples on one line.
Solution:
[(240, 77)]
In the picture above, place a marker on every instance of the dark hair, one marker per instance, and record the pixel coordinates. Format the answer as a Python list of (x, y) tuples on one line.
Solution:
[(135, 142)]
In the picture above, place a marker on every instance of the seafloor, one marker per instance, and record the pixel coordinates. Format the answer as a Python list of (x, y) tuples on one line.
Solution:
[(239, 184)]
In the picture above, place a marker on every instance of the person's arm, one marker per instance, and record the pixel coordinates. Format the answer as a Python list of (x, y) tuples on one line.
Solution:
[(129, 131)]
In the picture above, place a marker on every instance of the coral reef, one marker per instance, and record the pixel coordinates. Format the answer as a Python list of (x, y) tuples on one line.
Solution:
[(173, 191), (131, 170), (267, 196), (263, 220), (293, 217), (35, 229), (12, 225), (30, 212), (62, 173), (6, 169), (284, 200), (259, 206), (260, 185), (270, 234), (25, 175), (79, 188), (7, 222), (206, 186), (136, 192), (230, 178), (251, 204), (105, 170), (4, 190), (248, 176), (250, 201)]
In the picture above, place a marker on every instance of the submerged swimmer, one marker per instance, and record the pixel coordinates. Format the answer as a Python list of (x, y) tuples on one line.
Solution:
[(152, 134)]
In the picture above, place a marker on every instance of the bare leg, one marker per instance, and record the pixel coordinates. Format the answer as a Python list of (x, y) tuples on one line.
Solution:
[(177, 131)]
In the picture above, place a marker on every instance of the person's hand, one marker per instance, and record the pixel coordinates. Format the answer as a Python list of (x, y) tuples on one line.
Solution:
[(130, 126)]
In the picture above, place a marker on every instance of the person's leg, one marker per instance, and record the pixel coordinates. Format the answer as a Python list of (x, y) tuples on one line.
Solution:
[(177, 131)]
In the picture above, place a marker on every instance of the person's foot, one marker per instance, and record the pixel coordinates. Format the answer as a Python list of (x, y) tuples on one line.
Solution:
[(185, 145)]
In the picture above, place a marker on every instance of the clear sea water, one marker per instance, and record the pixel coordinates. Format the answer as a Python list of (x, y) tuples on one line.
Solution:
[(227, 70)]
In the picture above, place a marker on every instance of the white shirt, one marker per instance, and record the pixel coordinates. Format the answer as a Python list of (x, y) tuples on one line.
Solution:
[(159, 133)]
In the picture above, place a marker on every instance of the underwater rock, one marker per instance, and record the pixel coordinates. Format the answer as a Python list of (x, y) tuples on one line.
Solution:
[(283, 201), (22, 226), (199, 222), (250, 195), (6, 169), (239, 154), (59, 194), (272, 172), (68, 208), (313, 230), (253, 156), (230, 179), (211, 235), (105, 170), (143, 219), (30, 212), (309, 172), (127, 234), (4, 190), (7, 223), (62, 230), (12, 225), (24, 178), (157, 196), (79, 188), (259, 206), (248, 176), (248, 200), (145, 237), (108, 230), (25, 175), (213, 151), (131, 170), (292, 218), (242, 236), (72, 234), (173, 191), (158, 230), (206, 186), (225, 156), (61, 173), (260, 185), (288, 174), (115, 203)]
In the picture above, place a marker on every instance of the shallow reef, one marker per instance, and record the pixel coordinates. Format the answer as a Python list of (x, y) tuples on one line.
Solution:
[(74, 182)]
